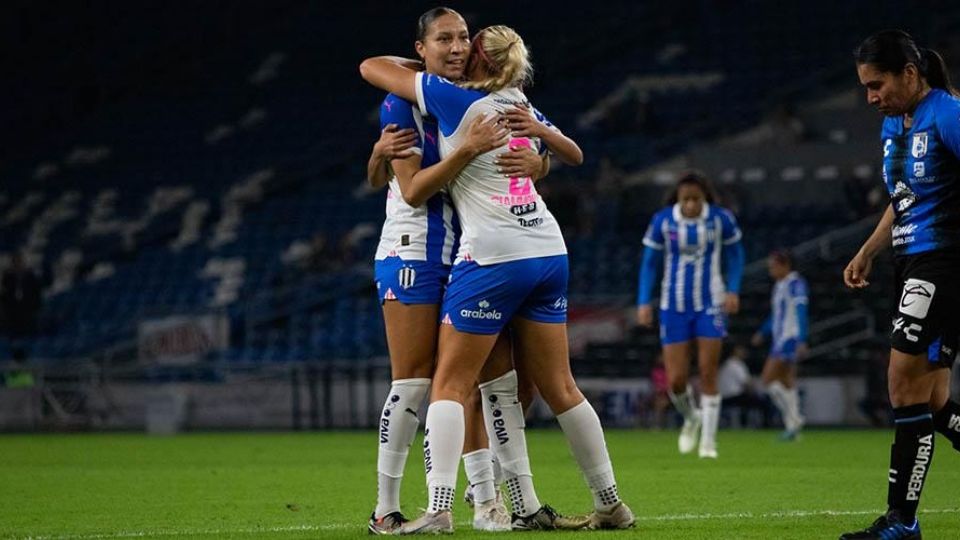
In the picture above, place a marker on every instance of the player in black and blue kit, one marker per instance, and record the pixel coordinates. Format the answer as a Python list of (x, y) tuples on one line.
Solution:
[(921, 169)]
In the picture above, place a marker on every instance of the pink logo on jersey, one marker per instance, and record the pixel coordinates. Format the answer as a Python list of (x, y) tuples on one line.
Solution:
[(388, 104), (430, 138), (521, 188)]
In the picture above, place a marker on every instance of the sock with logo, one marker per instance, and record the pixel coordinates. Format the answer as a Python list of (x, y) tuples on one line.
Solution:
[(583, 431), (442, 445), (398, 426), (684, 403), (910, 459), (947, 422), (503, 416), (711, 418), (479, 468)]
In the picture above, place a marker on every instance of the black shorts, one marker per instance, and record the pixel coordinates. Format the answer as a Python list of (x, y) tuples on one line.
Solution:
[(928, 304)]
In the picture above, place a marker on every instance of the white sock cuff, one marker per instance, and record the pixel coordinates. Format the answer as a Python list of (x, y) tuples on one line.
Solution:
[(517, 467), (478, 465), (570, 415), (776, 386), (391, 462), (710, 401), (504, 384)]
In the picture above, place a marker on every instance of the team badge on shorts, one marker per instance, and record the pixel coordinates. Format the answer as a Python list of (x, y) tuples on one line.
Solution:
[(916, 298), (406, 276)]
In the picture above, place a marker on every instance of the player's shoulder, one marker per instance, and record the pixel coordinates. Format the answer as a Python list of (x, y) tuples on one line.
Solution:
[(946, 106), (664, 214), (394, 104), (722, 212)]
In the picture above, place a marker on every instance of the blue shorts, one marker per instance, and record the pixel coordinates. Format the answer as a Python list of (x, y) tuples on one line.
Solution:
[(676, 327), (410, 282), (483, 299), (786, 350)]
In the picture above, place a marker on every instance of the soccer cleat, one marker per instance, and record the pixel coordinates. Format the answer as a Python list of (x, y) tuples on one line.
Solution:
[(886, 527), (492, 516), (429, 523), (708, 451), (689, 434), (618, 517), (385, 524), (468, 496), (547, 519)]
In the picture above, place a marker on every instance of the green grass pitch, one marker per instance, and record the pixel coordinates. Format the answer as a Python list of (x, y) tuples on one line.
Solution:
[(322, 485)]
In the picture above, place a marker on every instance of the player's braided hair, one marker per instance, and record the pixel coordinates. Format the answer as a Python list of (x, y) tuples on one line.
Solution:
[(504, 57)]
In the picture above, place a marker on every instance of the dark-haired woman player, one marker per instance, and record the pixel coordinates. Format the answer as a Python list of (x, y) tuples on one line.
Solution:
[(921, 169), (697, 245)]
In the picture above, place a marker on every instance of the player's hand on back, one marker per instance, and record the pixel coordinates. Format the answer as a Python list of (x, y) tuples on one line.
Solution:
[(395, 143), (519, 162), (645, 315), (486, 133), (522, 123), (856, 273)]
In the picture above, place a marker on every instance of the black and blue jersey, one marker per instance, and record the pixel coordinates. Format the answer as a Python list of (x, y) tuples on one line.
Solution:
[(921, 169)]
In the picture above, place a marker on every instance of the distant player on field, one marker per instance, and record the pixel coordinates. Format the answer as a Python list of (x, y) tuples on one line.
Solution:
[(696, 246), (786, 327)]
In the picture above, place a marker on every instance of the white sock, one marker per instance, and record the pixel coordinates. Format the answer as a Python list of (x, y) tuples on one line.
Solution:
[(684, 403), (793, 407), (583, 431), (442, 445), (398, 426), (710, 410), (479, 468), (778, 393), (497, 471), (503, 417)]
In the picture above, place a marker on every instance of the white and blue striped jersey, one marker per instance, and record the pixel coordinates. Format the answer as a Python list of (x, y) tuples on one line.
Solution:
[(503, 219), (693, 265), (788, 310), (429, 232)]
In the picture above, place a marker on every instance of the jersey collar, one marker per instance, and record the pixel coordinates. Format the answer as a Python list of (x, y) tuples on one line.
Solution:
[(679, 217)]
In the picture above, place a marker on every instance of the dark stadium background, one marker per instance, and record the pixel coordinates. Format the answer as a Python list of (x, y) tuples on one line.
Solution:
[(187, 181)]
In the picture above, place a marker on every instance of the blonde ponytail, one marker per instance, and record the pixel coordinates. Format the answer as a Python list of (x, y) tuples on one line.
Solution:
[(505, 57)]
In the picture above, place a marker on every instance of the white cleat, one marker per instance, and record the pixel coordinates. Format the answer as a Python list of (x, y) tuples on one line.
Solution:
[(708, 451), (618, 517), (429, 523), (689, 434), (492, 516)]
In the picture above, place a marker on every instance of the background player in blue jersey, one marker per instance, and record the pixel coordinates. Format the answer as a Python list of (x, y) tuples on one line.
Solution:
[(786, 328), (921, 169), (511, 267), (696, 246), (412, 268)]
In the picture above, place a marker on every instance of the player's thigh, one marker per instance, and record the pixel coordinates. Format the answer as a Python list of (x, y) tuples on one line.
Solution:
[(545, 355), (411, 338), (500, 360), (460, 357)]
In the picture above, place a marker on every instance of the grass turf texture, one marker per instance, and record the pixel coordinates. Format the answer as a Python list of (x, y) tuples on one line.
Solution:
[(322, 485)]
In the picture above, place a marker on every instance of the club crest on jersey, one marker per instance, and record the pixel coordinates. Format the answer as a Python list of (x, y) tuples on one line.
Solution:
[(919, 147), (406, 276)]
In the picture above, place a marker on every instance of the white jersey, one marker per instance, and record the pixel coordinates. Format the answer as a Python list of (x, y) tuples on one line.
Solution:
[(789, 321), (428, 232), (503, 219)]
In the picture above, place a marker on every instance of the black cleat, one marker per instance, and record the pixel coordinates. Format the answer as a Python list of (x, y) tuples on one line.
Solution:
[(886, 527), (385, 524), (547, 519)]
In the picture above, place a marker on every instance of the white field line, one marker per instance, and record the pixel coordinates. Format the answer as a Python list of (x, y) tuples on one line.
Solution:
[(360, 526)]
